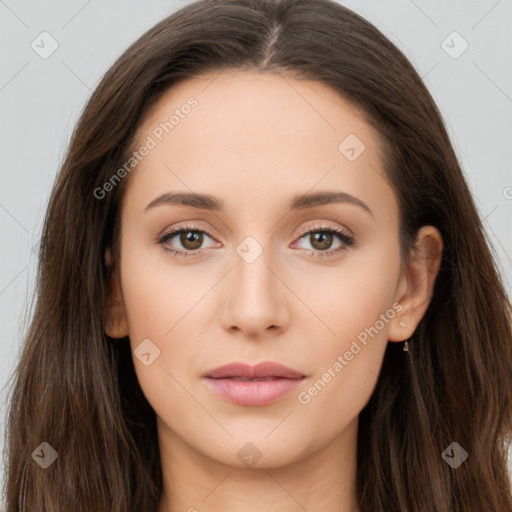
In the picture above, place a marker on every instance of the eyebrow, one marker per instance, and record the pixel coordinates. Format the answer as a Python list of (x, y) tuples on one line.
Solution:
[(297, 202)]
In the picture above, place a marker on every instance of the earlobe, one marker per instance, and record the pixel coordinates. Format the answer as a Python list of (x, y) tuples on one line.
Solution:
[(416, 286), (116, 329)]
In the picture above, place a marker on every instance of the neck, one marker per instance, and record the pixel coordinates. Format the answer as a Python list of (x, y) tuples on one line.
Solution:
[(323, 480)]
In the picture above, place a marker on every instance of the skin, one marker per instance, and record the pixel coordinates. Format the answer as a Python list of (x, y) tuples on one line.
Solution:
[(255, 140)]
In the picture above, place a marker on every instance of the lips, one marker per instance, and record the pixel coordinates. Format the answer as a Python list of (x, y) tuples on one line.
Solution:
[(259, 385), (243, 371)]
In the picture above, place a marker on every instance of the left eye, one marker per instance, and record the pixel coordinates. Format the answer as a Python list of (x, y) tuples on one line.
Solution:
[(321, 238)]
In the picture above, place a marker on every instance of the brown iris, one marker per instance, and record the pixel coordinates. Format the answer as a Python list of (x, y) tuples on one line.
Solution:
[(321, 239), (194, 238)]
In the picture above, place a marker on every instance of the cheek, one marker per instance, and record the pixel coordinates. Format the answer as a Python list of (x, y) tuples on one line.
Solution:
[(345, 300), (355, 306), (166, 303), (162, 305), (159, 294)]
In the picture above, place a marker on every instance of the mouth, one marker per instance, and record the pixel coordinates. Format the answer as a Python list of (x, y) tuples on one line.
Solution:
[(253, 386), (259, 379)]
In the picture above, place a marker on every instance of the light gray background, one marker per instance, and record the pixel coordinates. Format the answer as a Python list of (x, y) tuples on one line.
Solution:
[(40, 100)]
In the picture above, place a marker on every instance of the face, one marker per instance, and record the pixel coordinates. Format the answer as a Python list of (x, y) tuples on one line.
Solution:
[(257, 272)]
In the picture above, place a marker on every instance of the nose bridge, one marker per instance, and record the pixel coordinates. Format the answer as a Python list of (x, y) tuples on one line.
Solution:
[(252, 272), (256, 302)]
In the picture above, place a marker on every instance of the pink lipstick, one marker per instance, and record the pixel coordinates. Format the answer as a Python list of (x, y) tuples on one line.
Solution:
[(254, 386)]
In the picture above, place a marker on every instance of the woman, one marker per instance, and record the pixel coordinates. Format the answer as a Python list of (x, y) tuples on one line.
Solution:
[(263, 285)]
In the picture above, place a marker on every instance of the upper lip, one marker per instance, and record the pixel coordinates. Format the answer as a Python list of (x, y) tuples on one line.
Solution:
[(244, 370)]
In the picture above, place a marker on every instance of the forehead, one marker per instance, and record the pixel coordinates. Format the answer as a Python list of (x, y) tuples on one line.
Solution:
[(264, 104), (257, 135)]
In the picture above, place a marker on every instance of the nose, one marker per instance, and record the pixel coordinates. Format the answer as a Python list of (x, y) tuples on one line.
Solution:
[(257, 298)]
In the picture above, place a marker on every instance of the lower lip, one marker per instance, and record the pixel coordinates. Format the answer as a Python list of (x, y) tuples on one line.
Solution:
[(253, 393)]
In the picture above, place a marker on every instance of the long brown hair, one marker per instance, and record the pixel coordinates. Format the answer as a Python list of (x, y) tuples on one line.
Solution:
[(76, 389)]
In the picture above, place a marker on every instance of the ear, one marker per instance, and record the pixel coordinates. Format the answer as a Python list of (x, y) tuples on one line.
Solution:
[(416, 285), (116, 322)]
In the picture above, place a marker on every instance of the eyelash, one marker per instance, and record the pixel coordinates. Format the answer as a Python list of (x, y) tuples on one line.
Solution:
[(347, 239)]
